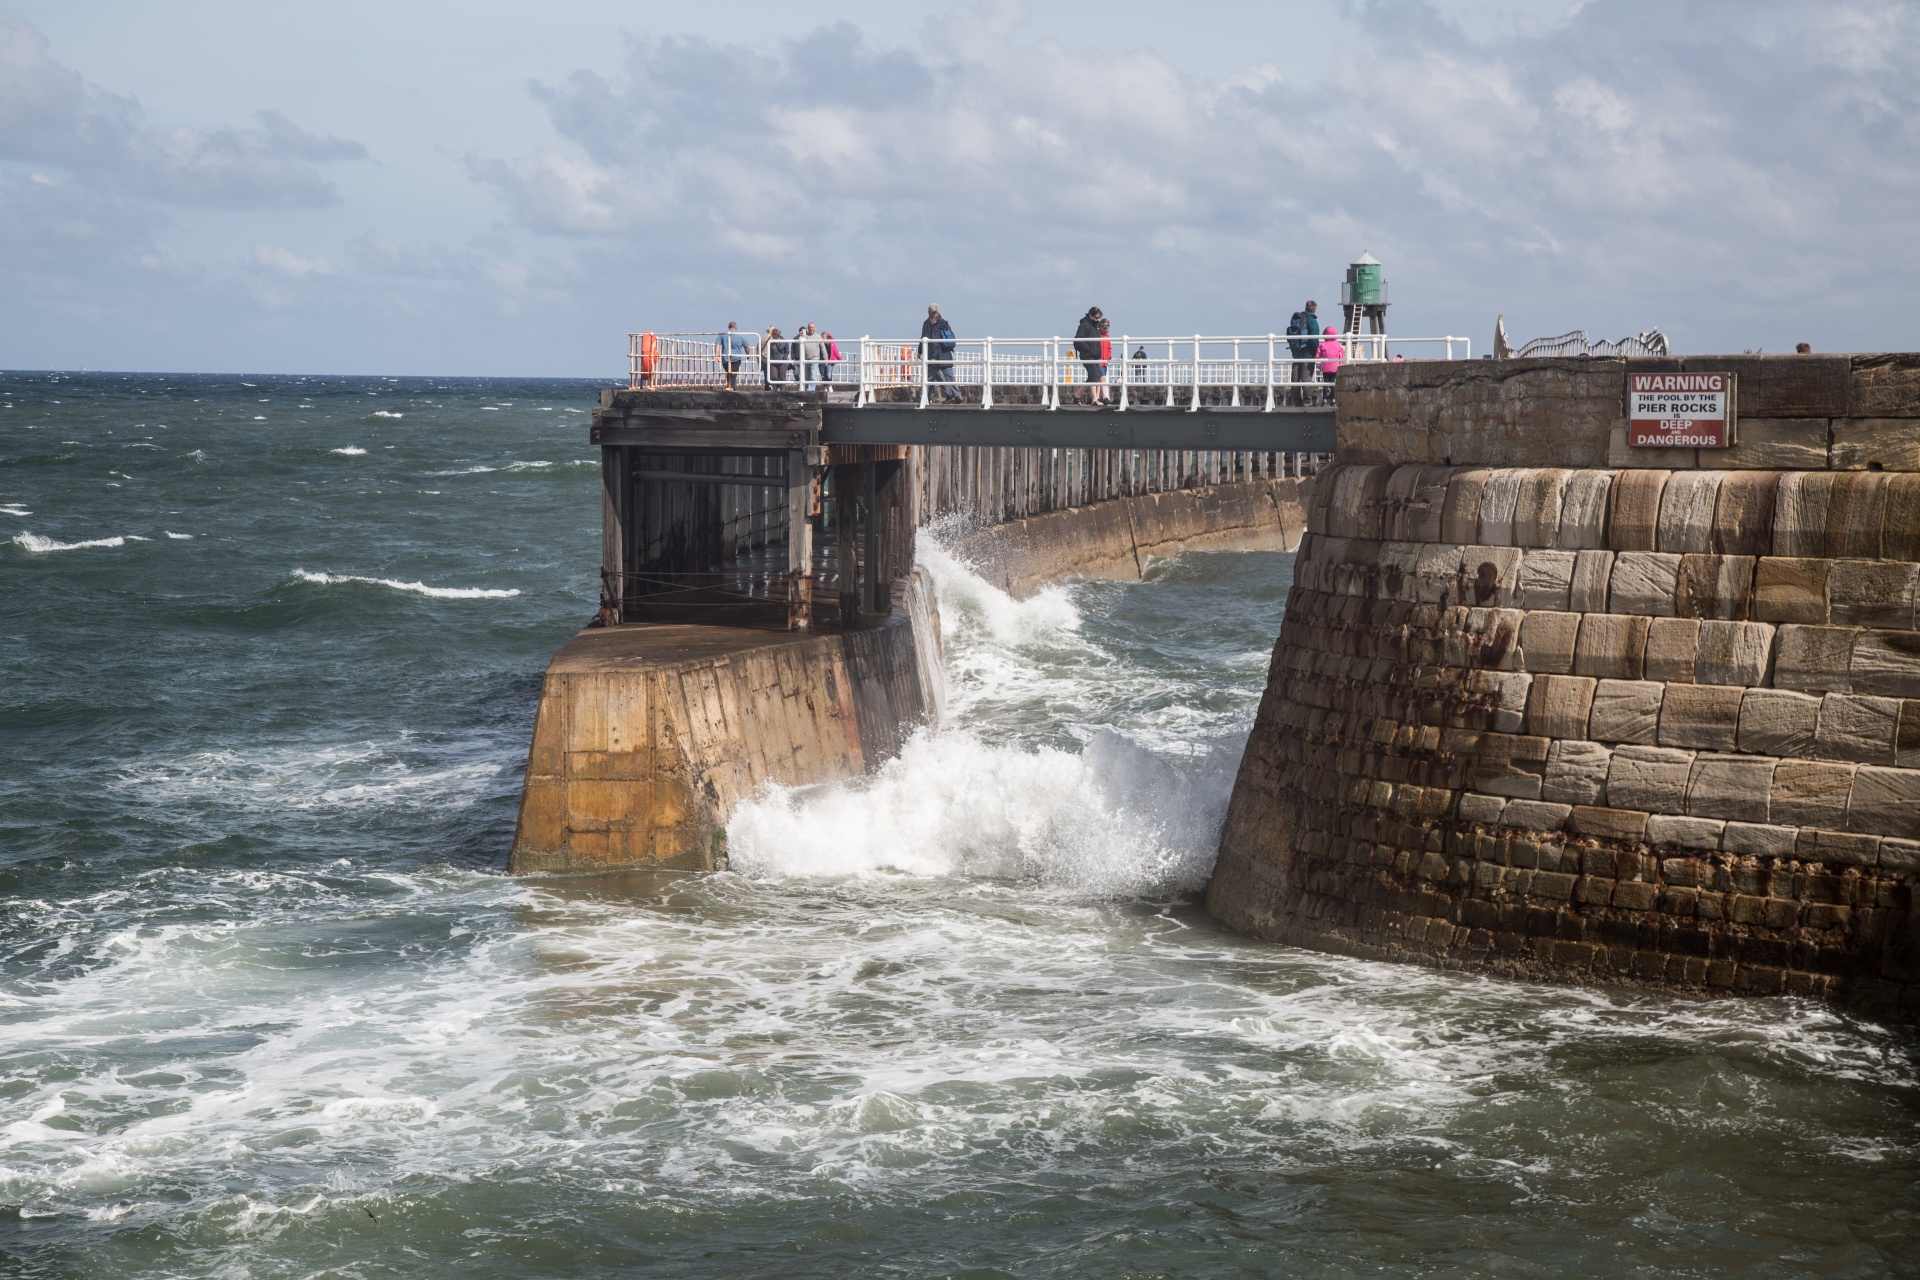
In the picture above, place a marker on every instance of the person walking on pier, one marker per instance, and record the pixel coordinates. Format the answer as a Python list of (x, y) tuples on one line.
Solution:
[(733, 348), (1331, 353), (1086, 345), (936, 337), (1304, 322), (833, 359), (1100, 395)]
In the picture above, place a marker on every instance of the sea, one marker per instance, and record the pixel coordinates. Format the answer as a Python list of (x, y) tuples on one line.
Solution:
[(270, 1005)]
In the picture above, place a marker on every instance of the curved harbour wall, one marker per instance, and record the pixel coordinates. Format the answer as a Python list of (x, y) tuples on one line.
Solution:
[(1624, 715)]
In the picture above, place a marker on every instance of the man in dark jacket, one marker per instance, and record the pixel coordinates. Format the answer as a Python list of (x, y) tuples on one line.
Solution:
[(937, 337), (1303, 322), (1086, 345)]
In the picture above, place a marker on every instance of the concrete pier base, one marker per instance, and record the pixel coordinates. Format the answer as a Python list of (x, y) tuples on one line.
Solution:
[(648, 737)]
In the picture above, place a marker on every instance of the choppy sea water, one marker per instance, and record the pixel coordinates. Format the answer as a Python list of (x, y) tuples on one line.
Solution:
[(269, 1007)]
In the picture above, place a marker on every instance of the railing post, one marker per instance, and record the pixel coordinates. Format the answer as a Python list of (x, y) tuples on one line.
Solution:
[(1126, 376), (1269, 373), (1052, 399), (863, 393), (923, 373), (1195, 406), (986, 375), (1236, 373)]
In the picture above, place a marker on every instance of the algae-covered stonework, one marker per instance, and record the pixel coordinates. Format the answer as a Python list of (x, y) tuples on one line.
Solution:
[(1649, 723)]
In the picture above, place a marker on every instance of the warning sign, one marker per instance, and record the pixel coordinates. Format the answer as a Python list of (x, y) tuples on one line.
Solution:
[(1680, 410)]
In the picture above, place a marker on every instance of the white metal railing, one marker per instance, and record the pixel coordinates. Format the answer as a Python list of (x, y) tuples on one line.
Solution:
[(1262, 371)]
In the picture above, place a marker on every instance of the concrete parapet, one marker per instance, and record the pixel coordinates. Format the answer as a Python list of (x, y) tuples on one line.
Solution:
[(1649, 724)]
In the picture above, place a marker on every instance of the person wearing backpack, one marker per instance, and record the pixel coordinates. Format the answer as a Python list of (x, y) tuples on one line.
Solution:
[(1304, 322), (1086, 345), (937, 335)]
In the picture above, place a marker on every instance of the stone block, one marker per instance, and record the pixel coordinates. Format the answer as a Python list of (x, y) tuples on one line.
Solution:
[(1536, 518), (1686, 511), (1856, 509), (1436, 572), (1856, 728), (1759, 840), (1900, 531), (1900, 855), (1611, 646), (1685, 833), (1488, 576), (1414, 500), (1791, 589), (1743, 513), (1672, 645), (1546, 577), (1481, 808), (1626, 711), (1777, 722), (1811, 793), (1702, 716), (1492, 640), (1843, 848), (1876, 444), (1503, 776), (1885, 802), (1885, 385), (1633, 515), (1576, 773), (1715, 587), (1906, 742), (1627, 825), (1783, 444), (1643, 582), (1592, 570), (1354, 502), (1784, 386), (1505, 695), (1557, 705), (1733, 652), (1814, 659), (1887, 662), (1547, 641), (1460, 513), (1800, 513), (1731, 787), (1583, 511), (1499, 500), (1650, 778), (1872, 593), (1534, 815)]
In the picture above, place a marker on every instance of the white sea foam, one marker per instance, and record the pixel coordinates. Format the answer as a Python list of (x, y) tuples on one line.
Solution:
[(178, 537), (464, 471), (350, 451), (38, 545), (14, 509), (382, 413), (417, 588), (527, 466)]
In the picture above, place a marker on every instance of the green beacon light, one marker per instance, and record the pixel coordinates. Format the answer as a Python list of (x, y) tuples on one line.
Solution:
[(1365, 294)]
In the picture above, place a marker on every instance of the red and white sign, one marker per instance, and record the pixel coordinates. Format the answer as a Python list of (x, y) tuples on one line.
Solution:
[(1680, 410)]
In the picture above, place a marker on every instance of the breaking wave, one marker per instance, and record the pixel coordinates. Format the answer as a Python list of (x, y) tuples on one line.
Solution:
[(416, 588), (38, 545)]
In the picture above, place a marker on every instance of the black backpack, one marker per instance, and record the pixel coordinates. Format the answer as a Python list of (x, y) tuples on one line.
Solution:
[(1298, 324)]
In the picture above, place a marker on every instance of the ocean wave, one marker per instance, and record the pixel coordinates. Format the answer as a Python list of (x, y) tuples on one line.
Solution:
[(464, 471), (14, 509), (38, 545), (382, 413), (350, 451), (417, 588), (527, 466), (178, 537)]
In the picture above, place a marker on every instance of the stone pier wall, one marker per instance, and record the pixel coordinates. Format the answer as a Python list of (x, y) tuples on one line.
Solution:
[(1604, 716)]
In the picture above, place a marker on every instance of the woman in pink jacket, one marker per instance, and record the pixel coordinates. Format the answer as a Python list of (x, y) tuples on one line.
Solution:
[(1331, 353)]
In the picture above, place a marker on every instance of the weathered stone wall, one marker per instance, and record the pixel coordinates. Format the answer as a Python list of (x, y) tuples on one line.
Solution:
[(1116, 539), (1656, 725), (648, 737)]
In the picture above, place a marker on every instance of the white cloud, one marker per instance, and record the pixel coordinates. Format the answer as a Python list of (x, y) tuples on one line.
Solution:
[(290, 264), (1628, 165)]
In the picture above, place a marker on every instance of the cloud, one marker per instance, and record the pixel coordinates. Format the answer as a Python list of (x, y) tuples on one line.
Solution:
[(290, 264), (50, 115), (1632, 163)]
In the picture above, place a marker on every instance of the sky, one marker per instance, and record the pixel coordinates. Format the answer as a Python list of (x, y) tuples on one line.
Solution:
[(502, 188)]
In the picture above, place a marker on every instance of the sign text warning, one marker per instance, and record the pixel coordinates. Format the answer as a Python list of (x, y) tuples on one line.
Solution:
[(1680, 410)]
